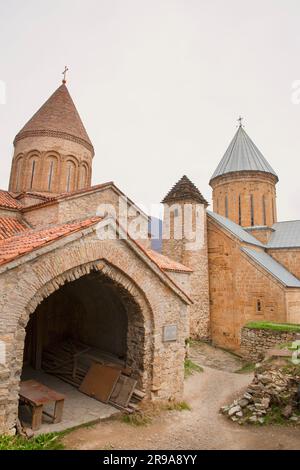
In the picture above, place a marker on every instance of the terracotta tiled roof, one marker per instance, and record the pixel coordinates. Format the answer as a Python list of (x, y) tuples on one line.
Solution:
[(7, 200), (183, 190), (30, 240), (59, 117), (37, 195), (10, 227), (45, 199), (167, 264), (84, 190)]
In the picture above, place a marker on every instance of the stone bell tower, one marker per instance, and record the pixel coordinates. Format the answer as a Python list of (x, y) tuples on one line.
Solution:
[(53, 153), (185, 240)]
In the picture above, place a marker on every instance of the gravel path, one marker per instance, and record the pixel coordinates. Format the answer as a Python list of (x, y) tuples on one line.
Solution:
[(201, 428)]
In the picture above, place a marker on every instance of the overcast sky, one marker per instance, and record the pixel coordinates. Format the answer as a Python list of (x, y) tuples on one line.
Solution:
[(159, 84)]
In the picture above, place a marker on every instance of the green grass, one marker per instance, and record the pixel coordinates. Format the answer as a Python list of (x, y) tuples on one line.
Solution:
[(149, 411), (190, 368), (178, 406), (264, 325), (51, 441), (246, 369), (274, 416), (137, 419)]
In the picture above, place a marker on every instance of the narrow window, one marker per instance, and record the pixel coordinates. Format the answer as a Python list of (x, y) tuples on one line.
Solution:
[(226, 206), (252, 209), (258, 305), (69, 177), (32, 174), (50, 175), (240, 210), (264, 211), (19, 168), (176, 212), (273, 211), (83, 177)]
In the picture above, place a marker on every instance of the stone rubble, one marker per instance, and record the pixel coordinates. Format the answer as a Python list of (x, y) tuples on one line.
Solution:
[(271, 387)]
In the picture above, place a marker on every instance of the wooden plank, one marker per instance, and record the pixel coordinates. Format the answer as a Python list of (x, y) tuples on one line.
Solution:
[(38, 394), (100, 381), (37, 413), (58, 411), (123, 391), (138, 394)]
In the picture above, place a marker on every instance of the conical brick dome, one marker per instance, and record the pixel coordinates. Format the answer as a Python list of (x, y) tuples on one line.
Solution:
[(57, 116), (53, 152)]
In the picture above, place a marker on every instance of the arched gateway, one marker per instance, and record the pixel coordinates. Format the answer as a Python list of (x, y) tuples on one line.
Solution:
[(105, 293)]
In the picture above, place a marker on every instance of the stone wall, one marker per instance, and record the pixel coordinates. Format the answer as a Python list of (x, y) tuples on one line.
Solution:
[(183, 247), (237, 287), (41, 216), (10, 213), (256, 342), (89, 204), (290, 258)]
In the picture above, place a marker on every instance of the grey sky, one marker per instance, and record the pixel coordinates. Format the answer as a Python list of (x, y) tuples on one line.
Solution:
[(159, 84)]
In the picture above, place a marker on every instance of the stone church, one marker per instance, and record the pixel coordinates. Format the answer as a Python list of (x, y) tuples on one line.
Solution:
[(59, 278)]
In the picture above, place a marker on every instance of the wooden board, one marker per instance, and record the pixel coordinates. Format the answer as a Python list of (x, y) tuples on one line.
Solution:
[(123, 391), (37, 393), (100, 381)]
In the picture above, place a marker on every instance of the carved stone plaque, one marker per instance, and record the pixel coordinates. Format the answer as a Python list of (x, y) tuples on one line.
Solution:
[(170, 333)]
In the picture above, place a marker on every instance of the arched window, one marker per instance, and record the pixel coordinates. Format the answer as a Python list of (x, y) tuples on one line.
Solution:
[(33, 165), (70, 176), (252, 209), (83, 176), (19, 167), (240, 210), (50, 174), (264, 210), (273, 211), (258, 306), (226, 206)]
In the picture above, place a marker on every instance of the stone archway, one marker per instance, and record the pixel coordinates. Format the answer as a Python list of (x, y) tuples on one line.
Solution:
[(98, 305), (141, 359)]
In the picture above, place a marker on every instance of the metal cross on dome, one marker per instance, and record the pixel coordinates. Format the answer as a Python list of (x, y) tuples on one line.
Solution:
[(240, 121), (65, 74)]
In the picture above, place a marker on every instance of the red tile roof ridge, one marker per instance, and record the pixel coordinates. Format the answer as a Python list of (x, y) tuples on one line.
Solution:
[(59, 196), (167, 263), (8, 200)]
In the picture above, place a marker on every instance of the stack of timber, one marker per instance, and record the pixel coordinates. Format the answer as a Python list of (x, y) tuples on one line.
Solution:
[(94, 372), (70, 361)]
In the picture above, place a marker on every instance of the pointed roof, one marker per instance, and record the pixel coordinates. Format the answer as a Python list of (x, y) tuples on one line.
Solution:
[(57, 117), (184, 189), (242, 155)]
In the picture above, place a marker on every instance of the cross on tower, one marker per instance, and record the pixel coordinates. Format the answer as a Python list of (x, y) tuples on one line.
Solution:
[(240, 121), (65, 74)]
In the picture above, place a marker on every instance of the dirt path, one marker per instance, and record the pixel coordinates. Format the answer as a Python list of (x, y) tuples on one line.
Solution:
[(201, 428), (210, 356)]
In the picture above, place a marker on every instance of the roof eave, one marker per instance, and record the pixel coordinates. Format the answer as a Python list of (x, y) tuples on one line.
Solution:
[(242, 172)]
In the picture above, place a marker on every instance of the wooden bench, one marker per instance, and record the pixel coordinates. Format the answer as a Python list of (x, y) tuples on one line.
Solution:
[(36, 395)]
